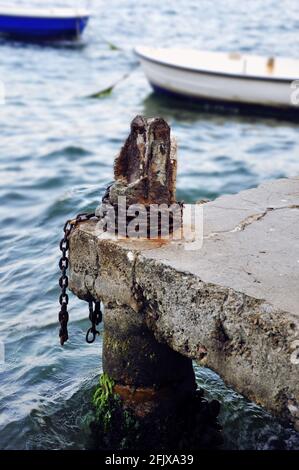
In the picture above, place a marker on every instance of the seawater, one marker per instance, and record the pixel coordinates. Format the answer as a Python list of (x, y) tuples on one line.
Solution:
[(56, 157)]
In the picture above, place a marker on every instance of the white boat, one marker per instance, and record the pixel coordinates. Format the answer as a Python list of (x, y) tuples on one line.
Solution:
[(225, 78)]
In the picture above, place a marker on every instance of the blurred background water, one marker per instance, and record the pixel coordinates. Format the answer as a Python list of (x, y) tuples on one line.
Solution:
[(56, 156)]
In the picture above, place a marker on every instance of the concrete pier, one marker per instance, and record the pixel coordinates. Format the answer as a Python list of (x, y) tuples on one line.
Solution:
[(232, 305)]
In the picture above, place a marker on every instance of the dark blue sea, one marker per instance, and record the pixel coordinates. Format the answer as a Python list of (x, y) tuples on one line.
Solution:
[(56, 154)]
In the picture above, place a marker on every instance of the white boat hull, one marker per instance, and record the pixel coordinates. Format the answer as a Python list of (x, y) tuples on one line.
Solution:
[(212, 86)]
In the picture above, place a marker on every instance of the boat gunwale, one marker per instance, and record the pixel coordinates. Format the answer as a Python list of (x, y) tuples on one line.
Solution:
[(212, 73), (47, 14)]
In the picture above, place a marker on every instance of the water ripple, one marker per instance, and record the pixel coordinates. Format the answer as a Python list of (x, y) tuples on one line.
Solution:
[(56, 157)]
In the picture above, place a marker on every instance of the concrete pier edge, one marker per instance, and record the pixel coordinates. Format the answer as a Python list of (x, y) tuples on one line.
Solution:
[(233, 305)]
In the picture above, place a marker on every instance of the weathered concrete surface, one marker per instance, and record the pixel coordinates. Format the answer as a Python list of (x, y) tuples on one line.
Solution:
[(233, 304)]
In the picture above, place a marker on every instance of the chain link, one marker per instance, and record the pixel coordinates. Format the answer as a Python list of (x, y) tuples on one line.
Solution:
[(96, 317), (95, 314)]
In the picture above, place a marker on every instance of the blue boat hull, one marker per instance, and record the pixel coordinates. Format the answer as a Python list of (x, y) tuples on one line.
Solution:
[(33, 28)]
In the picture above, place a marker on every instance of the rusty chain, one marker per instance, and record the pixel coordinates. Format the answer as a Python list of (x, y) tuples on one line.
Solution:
[(95, 314)]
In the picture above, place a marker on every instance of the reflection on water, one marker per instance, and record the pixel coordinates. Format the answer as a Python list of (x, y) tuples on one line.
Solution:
[(190, 112), (56, 156)]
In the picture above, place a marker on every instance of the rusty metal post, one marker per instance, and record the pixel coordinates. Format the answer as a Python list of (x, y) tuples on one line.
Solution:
[(155, 384), (145, 170), (147, 374)]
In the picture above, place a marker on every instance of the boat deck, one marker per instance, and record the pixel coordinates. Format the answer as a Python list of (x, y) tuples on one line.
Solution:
[(224, 63)]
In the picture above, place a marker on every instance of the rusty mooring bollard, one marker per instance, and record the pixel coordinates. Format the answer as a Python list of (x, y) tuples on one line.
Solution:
[(145, 182), (145, 170), (148, 376), (152, 387)]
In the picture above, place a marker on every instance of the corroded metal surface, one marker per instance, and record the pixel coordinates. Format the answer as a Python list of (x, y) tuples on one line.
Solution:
[(145, 169)]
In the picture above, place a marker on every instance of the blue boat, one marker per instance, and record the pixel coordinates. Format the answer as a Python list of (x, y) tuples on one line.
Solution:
[(42, 24)]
